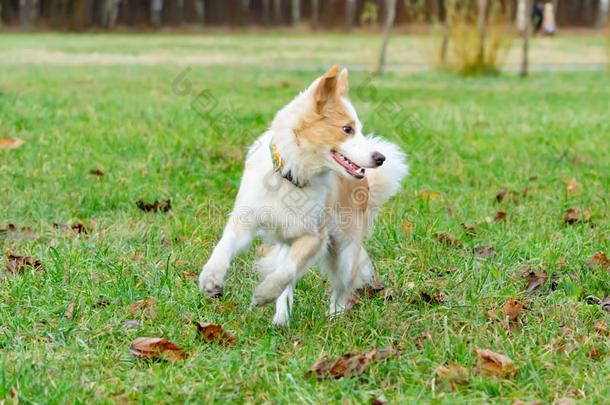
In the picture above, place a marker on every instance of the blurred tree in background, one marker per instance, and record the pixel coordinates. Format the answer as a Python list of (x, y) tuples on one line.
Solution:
[(324, 14)]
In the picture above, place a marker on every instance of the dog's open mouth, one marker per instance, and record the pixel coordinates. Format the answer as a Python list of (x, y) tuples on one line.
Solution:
[(349, 166)]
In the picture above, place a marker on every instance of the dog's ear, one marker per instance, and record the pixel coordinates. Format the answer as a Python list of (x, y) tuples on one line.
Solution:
[(342, 83), (325, 88)]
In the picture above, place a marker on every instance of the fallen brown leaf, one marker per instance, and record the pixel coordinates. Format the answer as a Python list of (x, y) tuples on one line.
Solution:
[(7, 143), (494, 363), (599, 260), (535, 281), (470, 229), (422, 338), (69, 314), (512, 310), (156, 206), (491, 314), (98, 171), (447, 239), (376, 289), (147, 306), (77, 227), (501, 195), (571, 216), (17, 264), (434, 298), (211, 332), (500, 215), (572, 186), (601, 328), (348, 365), (408, 227), (453, 373), (595, 352), (157, 348), (319, 369), (484, 252), (131, 324), (15, 232)]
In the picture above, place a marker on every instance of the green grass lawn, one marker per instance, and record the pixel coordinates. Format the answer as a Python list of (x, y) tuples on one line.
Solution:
[(62, 333)]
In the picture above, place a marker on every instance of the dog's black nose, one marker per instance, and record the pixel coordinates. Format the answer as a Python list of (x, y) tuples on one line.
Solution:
[(378, 158)]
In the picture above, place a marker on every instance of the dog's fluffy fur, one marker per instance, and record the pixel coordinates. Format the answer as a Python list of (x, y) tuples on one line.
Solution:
[(316, 204)]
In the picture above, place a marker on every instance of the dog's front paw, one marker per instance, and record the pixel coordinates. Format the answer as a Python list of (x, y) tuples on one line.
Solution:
[(209, 285)]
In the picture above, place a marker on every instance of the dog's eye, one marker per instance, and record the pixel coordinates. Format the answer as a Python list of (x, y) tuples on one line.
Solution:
[(348, 129)]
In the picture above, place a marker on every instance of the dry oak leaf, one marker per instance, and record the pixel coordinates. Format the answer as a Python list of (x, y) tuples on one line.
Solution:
[(601, 328), (571, 216), (211, 332), (434, 298), (376, 288), (535, 281), (483, 252), (348, 365), (155, 206), (146, 306), (157, 348), (501, 194), (500, 215), (98, 171), (408, 227), (453, 373), (495, 364), (17, 264), (598, 260), (7, 143), (15, 232), (470, 229), (78, 227), (512, 310), (447, 239), (69, 314), (572, 186)]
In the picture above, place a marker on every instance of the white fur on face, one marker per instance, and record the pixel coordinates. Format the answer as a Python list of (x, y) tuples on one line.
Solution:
[(357, 148)]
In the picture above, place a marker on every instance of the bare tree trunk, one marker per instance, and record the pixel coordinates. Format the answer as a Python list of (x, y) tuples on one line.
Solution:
[(389, 22), (315, 13), (602, 13), (113, 13), (526, 39), (482, 26), (266, 12), (350, 13), (180, 6), (445, 27), (25, 12), (522, 15), (200, 11), (277, 11), (156, 6), (295, 11)]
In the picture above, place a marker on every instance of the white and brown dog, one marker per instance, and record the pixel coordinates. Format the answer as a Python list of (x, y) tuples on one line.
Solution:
[(311, 188)]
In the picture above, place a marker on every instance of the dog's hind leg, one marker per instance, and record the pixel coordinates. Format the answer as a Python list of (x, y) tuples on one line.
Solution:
[(349, 268), (236, 237)]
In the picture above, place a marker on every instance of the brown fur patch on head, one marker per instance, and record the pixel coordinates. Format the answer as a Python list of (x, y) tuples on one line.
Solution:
[(323, 124)]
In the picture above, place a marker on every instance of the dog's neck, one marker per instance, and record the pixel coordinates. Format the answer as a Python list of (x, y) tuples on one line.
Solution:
[(291, 162)]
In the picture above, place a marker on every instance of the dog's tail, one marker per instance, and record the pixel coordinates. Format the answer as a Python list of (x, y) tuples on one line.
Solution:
[(385, 180)]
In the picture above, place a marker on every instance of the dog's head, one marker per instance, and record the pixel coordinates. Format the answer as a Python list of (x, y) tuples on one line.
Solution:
[(325, 124)]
